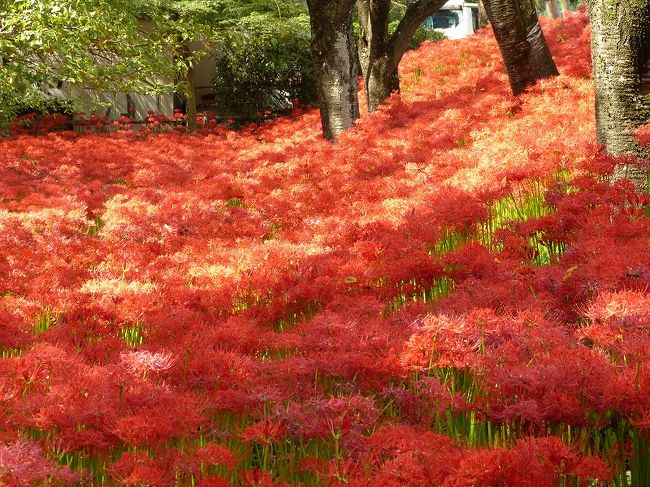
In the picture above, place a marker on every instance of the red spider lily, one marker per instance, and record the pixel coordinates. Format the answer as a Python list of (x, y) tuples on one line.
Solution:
[(138, 468), (213, 482), (330, 418), (24, 463), (203, 458), (264, 432), (258, 478), (546, 461), (643, 134), (144, 362)]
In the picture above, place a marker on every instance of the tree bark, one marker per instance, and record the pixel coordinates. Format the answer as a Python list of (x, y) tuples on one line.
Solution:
[(552, 9), (482, 15), (363, 12), (620, 49), (521, 41), (383, 53), (333, 51), (190, 96), (566, 7), (380, 73)]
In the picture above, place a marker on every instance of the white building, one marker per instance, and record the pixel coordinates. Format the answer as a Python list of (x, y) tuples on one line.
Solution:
[(456, 19), (138, 106)]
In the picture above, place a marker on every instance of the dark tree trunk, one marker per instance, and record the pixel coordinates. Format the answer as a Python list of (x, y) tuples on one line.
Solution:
[(363, 10), (333, 50), (620, 49), (382, 79), (482, 15), (190, 96), (380, 72), (382, 53), (190, 107), (521, 41)]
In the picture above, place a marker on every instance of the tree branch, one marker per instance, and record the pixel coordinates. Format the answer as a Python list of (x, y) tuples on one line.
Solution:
[(379, 11), (415, 14)]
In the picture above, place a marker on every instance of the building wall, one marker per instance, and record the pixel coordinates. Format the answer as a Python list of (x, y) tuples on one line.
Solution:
[(203, 74), (115, 105)]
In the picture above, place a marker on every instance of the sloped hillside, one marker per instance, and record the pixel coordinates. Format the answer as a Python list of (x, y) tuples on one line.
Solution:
[(451, 295)]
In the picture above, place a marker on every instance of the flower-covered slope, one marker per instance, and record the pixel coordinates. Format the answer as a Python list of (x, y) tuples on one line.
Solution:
[(452, 294)]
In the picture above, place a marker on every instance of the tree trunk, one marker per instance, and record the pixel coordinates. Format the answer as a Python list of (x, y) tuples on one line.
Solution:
[(482, 15), (333, 50), (521, 41), (552, 9), (385, 52), (620, 49), (566, 6), (381, 80), (381, 76), (190, 98), (191, 102), (363, 10)]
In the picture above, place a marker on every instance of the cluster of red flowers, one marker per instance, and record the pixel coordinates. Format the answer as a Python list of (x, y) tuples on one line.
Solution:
[(38, 124), (451, 295), (154, 123), (643, 133)]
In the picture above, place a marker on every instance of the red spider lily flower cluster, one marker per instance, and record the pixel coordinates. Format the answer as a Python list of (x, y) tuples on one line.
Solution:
[(643, 134), (454, 294)]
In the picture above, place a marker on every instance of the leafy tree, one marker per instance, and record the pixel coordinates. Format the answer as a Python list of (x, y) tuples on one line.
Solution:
[(620, 47), (115, 45), (96, 44), (260, 69), (197, 25), (521, 42)]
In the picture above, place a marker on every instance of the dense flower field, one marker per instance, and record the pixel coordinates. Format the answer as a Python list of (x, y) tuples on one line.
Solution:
[(452, 295)]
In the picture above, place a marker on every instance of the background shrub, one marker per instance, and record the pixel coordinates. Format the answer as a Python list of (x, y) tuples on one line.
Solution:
[(261, 69), (423, 33), (36, 114)]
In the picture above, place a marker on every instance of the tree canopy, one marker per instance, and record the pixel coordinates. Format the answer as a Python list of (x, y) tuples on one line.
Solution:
[(99, 45), (112, 45)]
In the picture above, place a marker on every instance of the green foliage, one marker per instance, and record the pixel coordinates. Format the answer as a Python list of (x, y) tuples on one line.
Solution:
[(422, 34), (112, 45), (261, 67), (99, 44), (222, 15), (46, 105)]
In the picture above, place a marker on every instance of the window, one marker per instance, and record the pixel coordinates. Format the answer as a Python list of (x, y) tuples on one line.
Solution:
[(475, 18), (443, 19)]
